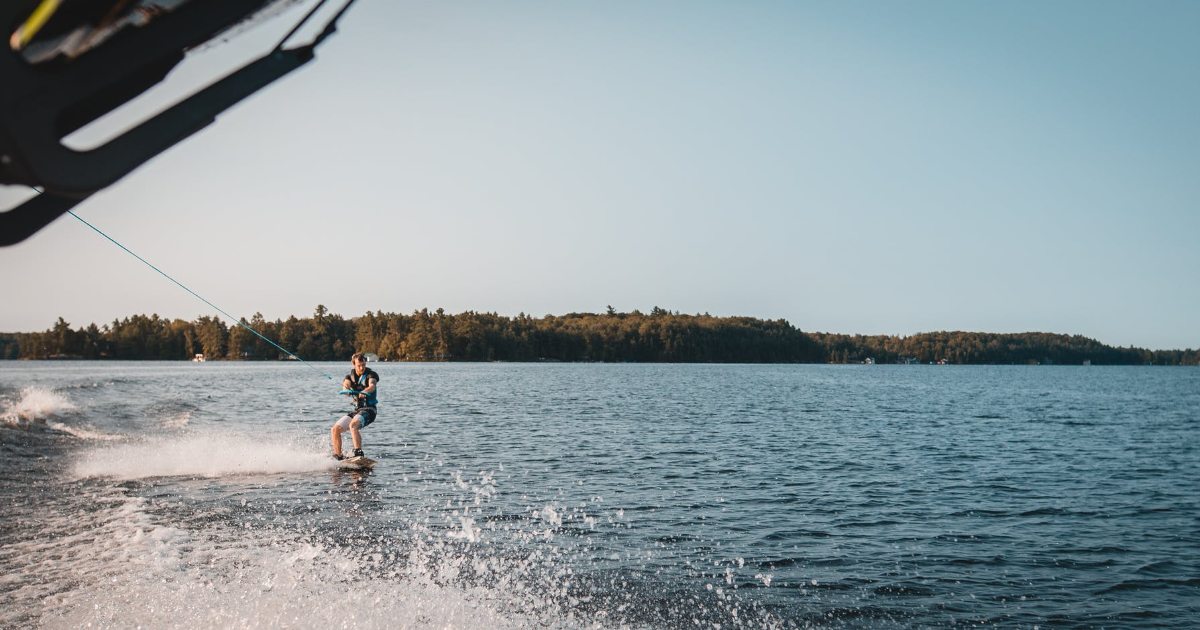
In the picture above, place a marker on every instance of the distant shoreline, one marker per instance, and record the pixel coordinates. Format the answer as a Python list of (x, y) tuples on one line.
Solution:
[(547, 361), (660, 336)]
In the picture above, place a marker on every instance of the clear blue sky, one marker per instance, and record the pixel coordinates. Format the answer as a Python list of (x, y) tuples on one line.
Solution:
[(852, 167)]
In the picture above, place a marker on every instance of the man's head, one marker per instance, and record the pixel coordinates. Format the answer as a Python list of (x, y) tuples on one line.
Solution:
[(359, 361)]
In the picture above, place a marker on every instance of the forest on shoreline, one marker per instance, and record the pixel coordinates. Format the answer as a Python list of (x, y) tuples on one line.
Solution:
[(658, 336)]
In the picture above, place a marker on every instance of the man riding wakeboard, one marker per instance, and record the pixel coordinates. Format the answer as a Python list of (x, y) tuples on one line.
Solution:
[(361, 384)]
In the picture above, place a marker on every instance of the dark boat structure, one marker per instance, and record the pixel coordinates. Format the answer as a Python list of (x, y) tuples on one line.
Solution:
[(66, 63)]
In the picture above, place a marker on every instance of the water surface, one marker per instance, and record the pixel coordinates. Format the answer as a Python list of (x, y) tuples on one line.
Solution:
[(568, 495)]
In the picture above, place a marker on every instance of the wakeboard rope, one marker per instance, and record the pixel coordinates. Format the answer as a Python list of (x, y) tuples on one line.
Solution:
[(201, 298)]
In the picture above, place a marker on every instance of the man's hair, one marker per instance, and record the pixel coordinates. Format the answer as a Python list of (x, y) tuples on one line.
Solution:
[(358, 355)]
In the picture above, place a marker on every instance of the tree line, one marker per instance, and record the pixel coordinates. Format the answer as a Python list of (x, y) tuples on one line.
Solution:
[(657, 336), (993, 348)]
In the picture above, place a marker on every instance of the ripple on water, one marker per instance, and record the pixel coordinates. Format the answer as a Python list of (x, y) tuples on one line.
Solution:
[(642, 496)]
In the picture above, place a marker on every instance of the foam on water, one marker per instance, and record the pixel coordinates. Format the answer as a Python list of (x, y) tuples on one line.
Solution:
[(119, 565), (34, 405), (42, 407), (86, 433), (177, 421), (201, 454)]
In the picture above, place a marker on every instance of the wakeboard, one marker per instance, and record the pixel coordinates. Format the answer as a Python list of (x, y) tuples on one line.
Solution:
[(362, 462)]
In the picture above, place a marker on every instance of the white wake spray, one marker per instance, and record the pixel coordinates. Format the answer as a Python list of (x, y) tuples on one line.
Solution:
[(35, 404), (208, 454), (42, 406)]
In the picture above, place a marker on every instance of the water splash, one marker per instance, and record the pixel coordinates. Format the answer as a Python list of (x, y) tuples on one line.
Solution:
[(177, 421), (119, 564), (85, 433), (34, 405), (208, 454)]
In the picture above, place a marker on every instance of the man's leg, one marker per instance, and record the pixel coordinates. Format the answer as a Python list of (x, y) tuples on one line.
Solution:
[(335, 434), (354, 434)]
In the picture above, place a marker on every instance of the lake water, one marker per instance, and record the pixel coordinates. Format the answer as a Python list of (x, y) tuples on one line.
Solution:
[(592, 495)]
